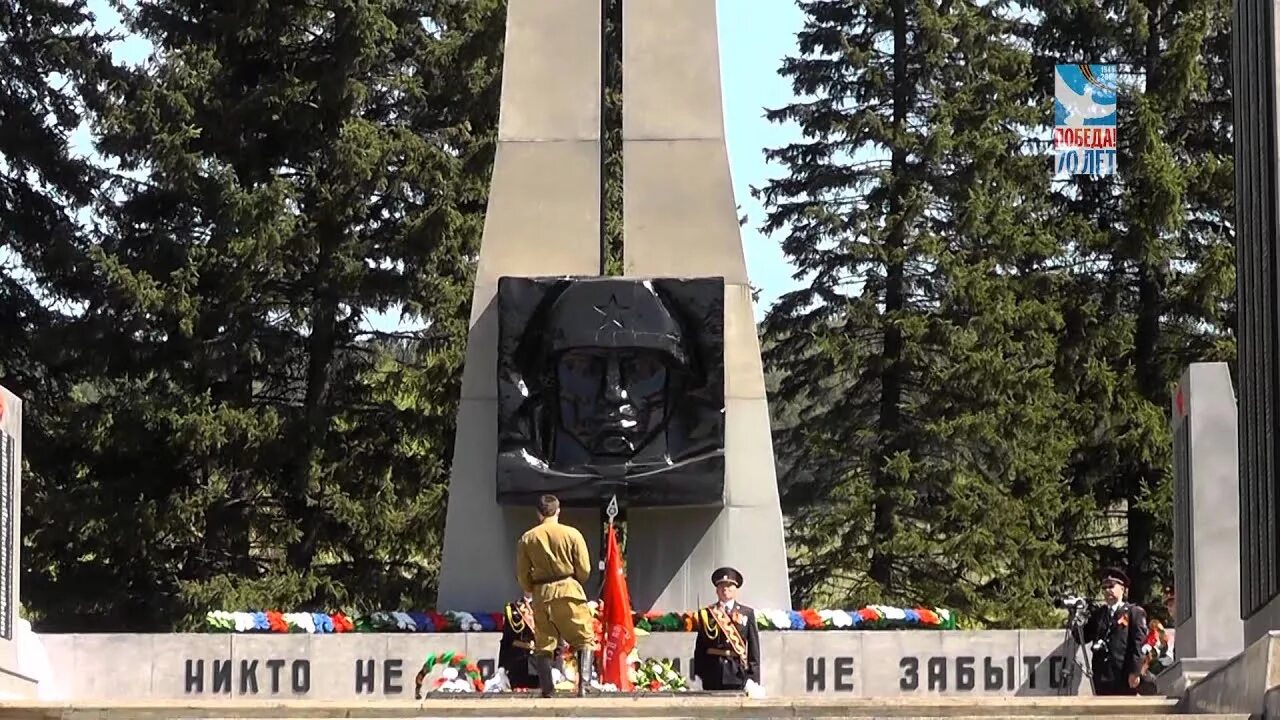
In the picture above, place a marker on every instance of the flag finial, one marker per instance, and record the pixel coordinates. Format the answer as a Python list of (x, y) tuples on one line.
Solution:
[(612, 510)]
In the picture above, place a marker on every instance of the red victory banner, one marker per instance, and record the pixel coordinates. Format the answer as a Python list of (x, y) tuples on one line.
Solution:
[(615, 623)]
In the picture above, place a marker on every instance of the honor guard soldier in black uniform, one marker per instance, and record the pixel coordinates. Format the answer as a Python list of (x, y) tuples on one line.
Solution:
[(1116, 631), (727, 652), (515, 652)]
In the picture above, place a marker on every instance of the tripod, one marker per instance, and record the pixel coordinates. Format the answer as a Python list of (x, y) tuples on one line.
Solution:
[(1073, 659)]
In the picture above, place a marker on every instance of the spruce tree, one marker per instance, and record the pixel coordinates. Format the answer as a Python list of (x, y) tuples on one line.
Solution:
[(53, 66), (923, 462), (1150, 254), (250, 441)]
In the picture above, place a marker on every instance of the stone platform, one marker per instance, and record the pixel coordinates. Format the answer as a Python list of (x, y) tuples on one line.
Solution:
[(371, 667), (619, 707)]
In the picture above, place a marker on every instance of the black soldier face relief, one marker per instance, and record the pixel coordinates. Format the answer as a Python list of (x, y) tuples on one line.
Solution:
[(611, 386)]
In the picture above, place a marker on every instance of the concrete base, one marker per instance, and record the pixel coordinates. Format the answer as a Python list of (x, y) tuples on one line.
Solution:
[(1184, 674), (614, 707), (1246, 683), (1258, 626)]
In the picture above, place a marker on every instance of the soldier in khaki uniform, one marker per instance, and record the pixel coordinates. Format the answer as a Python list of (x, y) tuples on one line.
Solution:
[(551, 566)]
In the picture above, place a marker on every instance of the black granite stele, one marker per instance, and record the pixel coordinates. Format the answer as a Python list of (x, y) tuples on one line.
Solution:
[(1257, 175), (611, 386)]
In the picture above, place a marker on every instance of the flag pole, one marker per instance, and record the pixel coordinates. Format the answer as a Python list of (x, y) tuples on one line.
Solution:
[(607, 513), (617, 628), (612, 513)]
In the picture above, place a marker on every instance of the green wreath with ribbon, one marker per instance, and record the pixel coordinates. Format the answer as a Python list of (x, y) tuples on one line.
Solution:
[(466, 670)]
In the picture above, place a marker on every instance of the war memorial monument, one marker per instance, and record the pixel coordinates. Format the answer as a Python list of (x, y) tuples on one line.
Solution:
[(669, 349), (648, 387)]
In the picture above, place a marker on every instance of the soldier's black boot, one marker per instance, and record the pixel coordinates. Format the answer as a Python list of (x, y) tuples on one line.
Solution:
[(586, 659), (546, 683)]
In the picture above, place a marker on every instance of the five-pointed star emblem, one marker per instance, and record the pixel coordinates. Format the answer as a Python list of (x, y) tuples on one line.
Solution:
[(610, 313)]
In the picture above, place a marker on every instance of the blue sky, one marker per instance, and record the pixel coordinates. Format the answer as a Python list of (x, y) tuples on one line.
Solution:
[(754, 37)]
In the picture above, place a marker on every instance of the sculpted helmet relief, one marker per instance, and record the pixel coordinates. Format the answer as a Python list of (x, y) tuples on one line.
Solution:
[(611, 385)]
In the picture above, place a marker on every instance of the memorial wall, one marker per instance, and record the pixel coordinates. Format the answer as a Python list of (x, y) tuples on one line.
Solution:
[(12, 682), (383, 666), (1253, 50)]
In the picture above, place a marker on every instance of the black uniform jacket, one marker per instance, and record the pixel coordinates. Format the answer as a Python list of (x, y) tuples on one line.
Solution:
[(717, 658), (516, 648), (1117, 642)]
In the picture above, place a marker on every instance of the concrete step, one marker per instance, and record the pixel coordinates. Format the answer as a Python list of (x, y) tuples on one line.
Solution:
[(87, 715), (1194, 676), (611, 708)]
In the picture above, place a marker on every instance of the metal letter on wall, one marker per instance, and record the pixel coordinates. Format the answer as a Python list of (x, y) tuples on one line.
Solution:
[(1254, 77)]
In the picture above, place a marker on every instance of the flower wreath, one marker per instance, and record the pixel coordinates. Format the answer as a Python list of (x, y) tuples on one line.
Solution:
[(459, 674)]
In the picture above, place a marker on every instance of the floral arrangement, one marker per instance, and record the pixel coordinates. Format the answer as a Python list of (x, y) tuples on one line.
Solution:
[(338, 622), (649, 675), (873, 617), (458, 674), (1155, 649), (656, 675)]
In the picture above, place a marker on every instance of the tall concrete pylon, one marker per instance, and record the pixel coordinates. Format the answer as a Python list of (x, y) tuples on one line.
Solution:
[(1206, 521), (543, 219), (680, 220)]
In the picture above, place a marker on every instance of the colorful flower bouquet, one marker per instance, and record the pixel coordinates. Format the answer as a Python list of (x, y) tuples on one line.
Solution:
[(452, 672), (1155, 649), (873, 617), (649, 675), (655, 675)]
